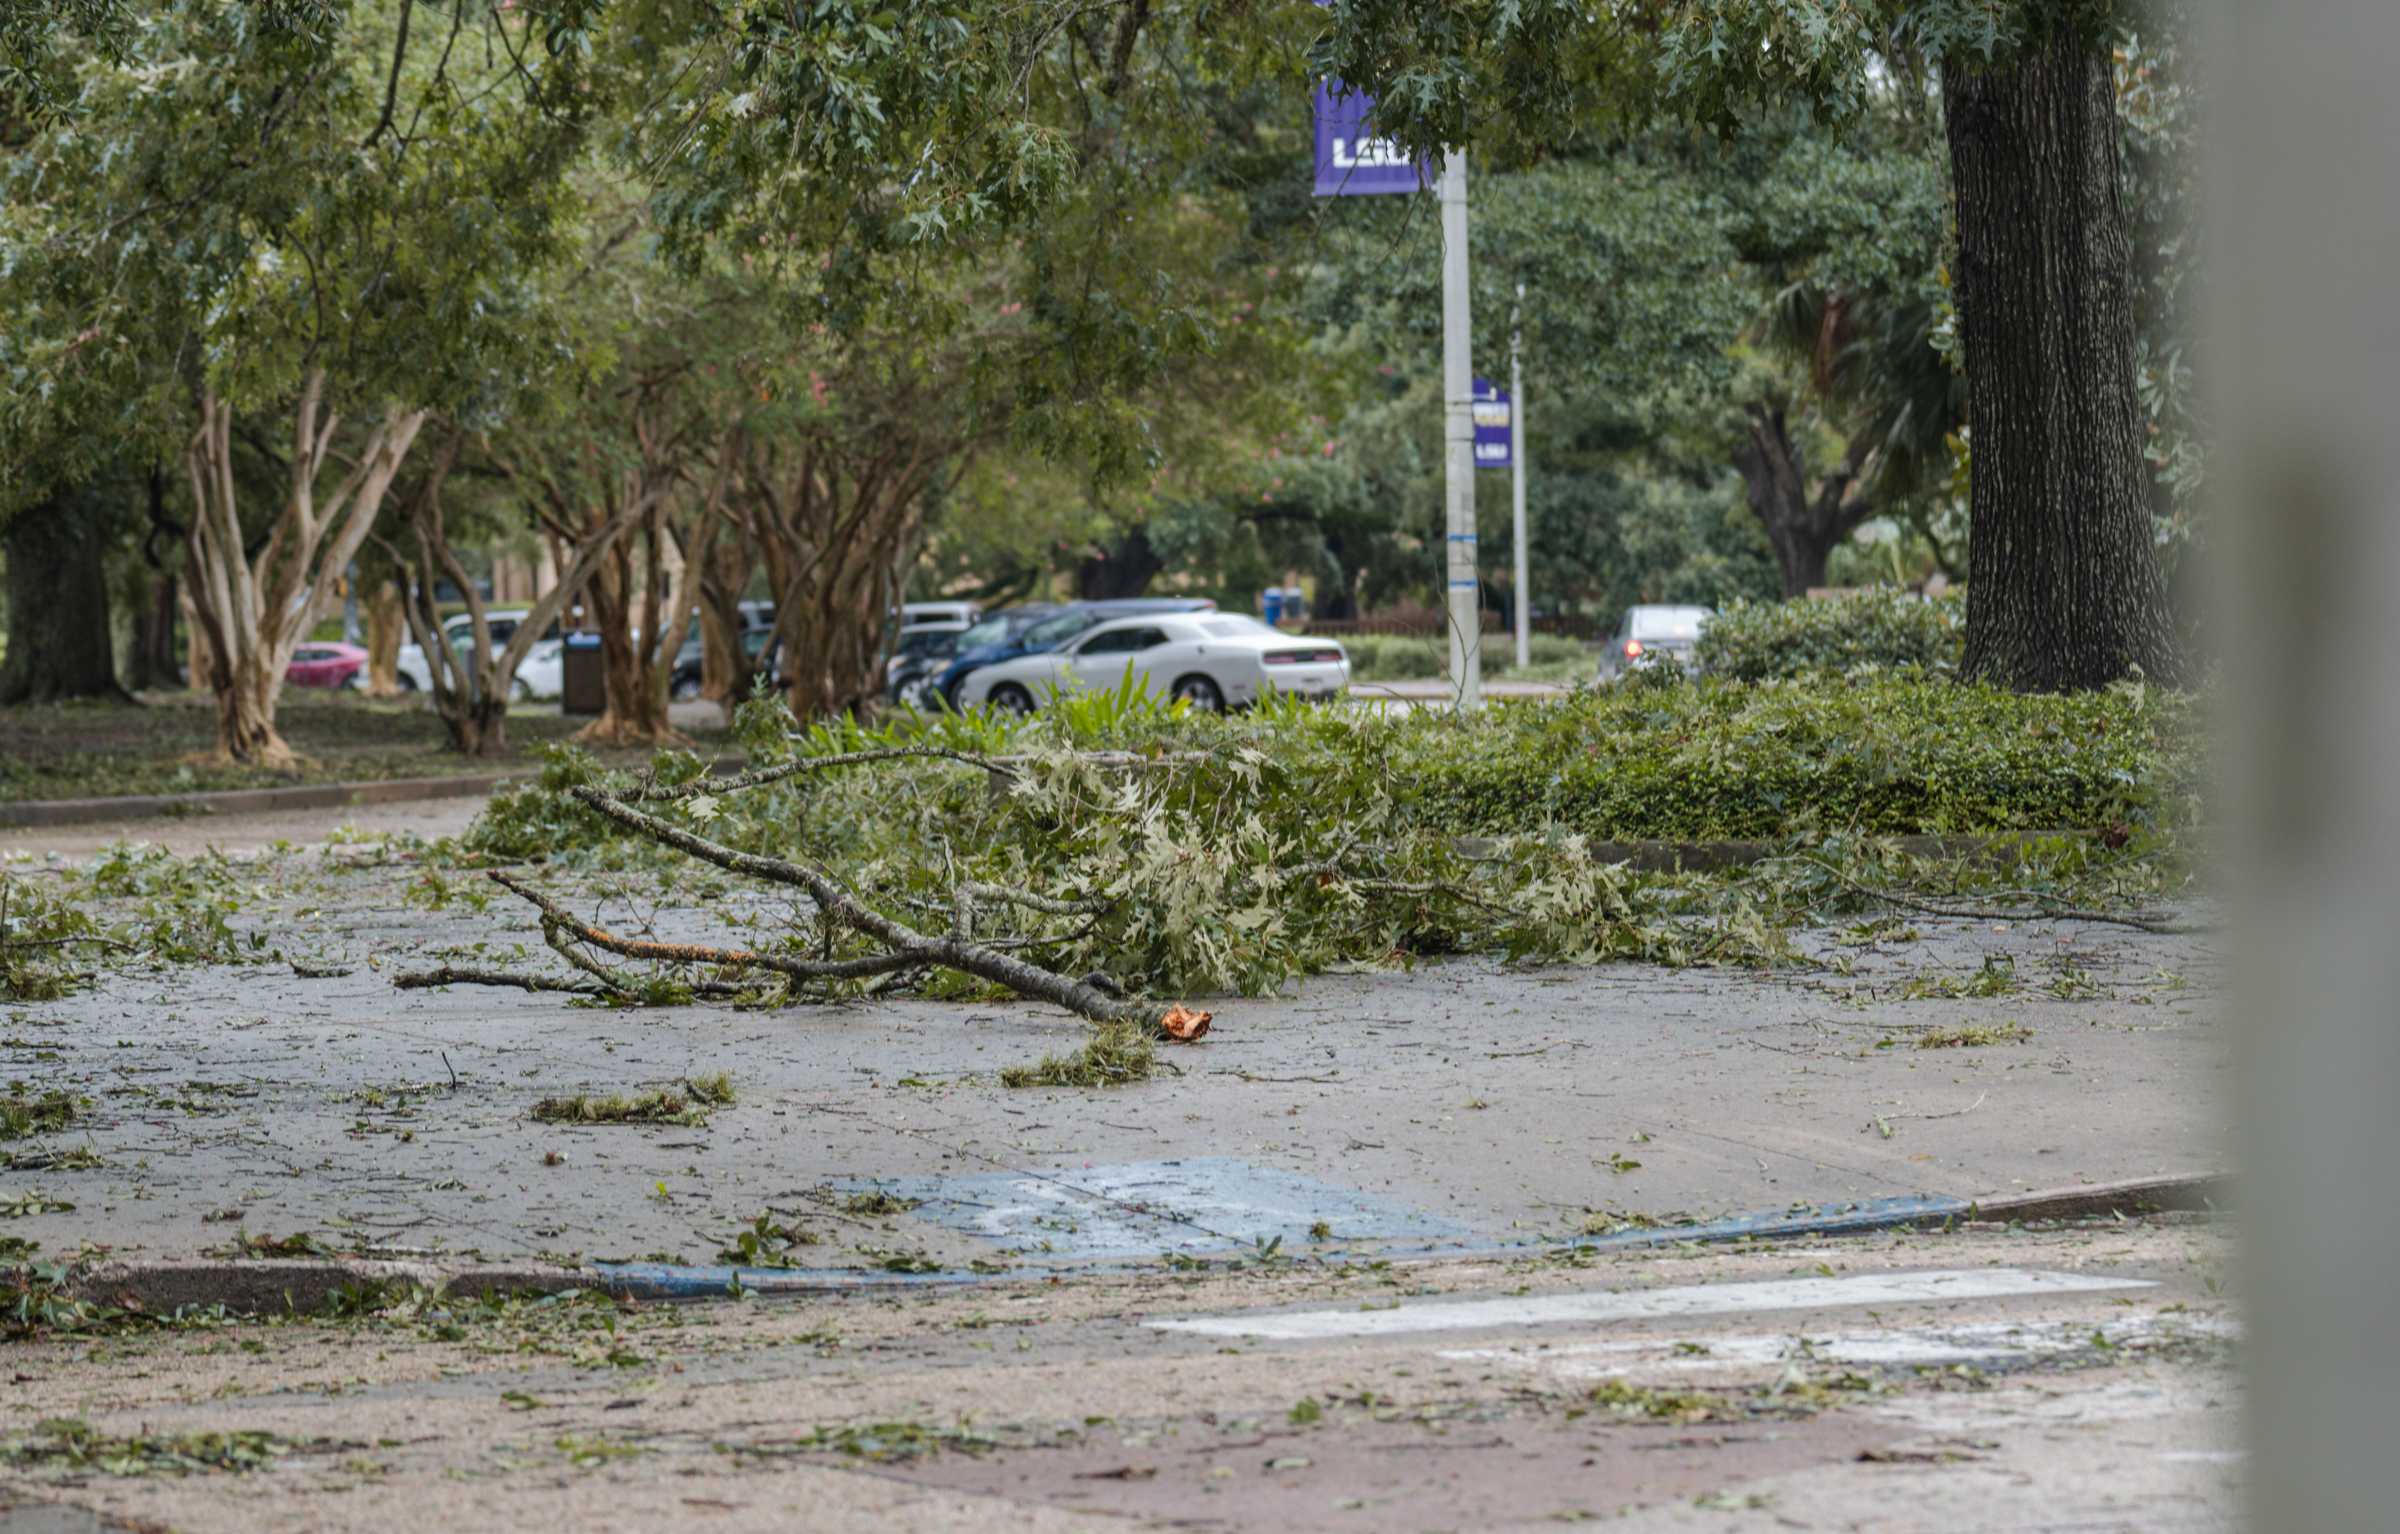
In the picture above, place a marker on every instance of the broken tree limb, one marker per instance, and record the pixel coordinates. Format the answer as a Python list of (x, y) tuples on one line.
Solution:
[(455, 974), (906, 944), (557, 919), (654, 792), (2049, 910)]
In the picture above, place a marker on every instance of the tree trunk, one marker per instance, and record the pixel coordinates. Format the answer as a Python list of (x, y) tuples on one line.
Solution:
[(478, 726), (724, 664), (835, 545), (198, 663), (1803, 529), (58, 640), (255, 610), (2063, 584), (152, 664), (1123, 569), (246, 693), (634, 707), (385, 624)]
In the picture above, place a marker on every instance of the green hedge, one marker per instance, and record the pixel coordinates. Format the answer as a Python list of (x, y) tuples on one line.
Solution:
[(1689, 760), (1756, 642), (1876, 754), (1410, 657)]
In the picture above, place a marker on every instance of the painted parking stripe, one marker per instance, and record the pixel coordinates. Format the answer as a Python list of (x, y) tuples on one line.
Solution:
[(1649, 1304)]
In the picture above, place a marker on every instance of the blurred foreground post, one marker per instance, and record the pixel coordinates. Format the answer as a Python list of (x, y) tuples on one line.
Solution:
[(2304, 195)]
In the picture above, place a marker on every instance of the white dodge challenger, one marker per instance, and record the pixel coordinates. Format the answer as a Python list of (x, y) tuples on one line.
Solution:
[(1214, 660)]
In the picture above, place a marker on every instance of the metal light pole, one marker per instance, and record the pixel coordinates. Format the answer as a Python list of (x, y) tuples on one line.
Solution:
[(1458, 431), (1516, 475)]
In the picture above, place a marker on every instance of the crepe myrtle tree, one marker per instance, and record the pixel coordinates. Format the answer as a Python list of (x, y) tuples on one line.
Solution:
[(2064, 586), (268, 252)]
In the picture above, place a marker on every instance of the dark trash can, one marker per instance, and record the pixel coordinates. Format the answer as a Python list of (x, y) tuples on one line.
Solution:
[(583, 680)]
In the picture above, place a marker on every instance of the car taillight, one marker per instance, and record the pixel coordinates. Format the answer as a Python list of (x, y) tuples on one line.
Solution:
[(1301, 657), (1633, 648)]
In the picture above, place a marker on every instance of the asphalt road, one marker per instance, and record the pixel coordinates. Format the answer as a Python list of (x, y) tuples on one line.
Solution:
[(1979, 1380)]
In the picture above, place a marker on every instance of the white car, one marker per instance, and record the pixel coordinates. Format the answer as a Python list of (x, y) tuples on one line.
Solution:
[(543, 674), (1214, 660), (960, 613)]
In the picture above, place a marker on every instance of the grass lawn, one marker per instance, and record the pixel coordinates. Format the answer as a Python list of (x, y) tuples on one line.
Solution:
[(90, 750)]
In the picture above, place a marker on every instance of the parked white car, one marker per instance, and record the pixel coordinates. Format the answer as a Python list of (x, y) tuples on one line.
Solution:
[(1214, 660), (543, 674), (960, 613)]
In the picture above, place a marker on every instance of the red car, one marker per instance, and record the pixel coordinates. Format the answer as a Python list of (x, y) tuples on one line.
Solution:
[(327, 665)]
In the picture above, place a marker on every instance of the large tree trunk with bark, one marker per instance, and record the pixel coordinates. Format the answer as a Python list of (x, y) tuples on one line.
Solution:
[(1803, 526), (2063, 586), (58, 640)]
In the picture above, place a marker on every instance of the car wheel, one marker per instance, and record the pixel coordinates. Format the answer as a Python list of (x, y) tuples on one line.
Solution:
[(407, 683), (520, 691), (686, 689), (353, 683), (1009, 698), (1201, 693)]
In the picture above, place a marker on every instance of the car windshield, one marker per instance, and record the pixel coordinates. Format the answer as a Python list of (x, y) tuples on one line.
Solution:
[(1668, 622), (1235, 624), (1058, 630), (992, 630)]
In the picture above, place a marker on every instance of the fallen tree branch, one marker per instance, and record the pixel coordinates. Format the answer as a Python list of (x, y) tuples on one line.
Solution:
[(557, 919), (14, 943), (905, 947), (2048, 911), (654, 792), (453, 974)]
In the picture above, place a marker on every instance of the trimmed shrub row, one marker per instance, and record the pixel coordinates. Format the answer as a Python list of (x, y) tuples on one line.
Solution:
[(1833, 636)]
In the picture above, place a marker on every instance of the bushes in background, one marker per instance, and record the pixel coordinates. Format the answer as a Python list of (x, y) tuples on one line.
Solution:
[(1412, 657), (1833, 636)]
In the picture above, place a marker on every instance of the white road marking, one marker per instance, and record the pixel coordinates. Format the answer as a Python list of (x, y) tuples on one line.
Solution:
[(1967, 1343), (1649, 1304)]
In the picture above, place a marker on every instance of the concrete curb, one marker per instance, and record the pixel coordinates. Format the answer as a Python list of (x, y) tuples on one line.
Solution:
[(305, 1285), (247, 801)]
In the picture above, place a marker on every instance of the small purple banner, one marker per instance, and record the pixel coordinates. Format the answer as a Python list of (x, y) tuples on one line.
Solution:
[(1351, 160), (1492, 406)]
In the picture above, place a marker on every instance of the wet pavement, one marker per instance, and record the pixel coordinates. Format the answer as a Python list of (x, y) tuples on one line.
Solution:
[(1456, 1107)]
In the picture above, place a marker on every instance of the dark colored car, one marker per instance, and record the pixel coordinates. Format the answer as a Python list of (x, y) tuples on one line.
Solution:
[(921, 651), (1032, 629)]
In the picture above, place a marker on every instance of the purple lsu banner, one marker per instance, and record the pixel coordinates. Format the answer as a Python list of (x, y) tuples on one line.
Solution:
[(1491, 409), (1351, 160)]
